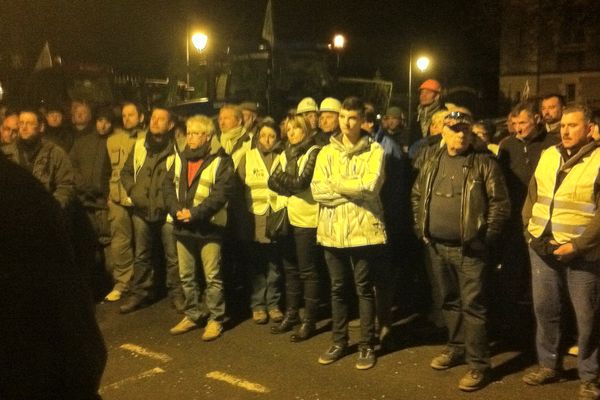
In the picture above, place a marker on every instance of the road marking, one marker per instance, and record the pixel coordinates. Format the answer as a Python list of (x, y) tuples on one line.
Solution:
[(239, 382), (145, 352), (143, 375)]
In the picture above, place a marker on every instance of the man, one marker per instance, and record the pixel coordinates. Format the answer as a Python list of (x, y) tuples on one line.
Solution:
[(9, 128), (81, 118), (51, 344), (46, 161), (429, 102), (234, 138), (119, 145), (551, 108), (348, 176), (142, 177), (394, 129), (328, 121), (460, 204), (56, 131), (250, 115), (518, 156), (307, 107), (563, 230), (92, 172), (196, 194)]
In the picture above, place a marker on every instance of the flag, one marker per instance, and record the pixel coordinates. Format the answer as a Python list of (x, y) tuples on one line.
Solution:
[(526, 90), (267, 31), (45, 59)]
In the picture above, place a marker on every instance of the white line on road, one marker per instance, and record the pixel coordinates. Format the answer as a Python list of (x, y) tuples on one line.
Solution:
[(145, 352), (239, 382), (143, 375)]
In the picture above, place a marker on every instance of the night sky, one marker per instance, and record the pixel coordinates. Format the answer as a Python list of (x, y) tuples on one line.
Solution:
[(139, 36)]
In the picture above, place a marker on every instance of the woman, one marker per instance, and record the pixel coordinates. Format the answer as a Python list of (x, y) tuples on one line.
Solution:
[(292, 178), (254, 170), (196, 194)]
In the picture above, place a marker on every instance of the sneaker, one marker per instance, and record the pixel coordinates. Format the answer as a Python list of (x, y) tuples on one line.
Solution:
[(334, 353), (588, 390), (366, 357), (212, 331), (276, 315), (542, 376), (260, 317), (185, 325), (114, 295), (473, 380), (447, 359)]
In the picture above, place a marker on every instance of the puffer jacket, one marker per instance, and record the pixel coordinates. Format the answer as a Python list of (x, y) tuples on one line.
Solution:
[(346, 184), (485, 204)]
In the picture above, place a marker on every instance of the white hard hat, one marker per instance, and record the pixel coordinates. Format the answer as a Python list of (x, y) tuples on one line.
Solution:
[(307, 104), (331, 104)]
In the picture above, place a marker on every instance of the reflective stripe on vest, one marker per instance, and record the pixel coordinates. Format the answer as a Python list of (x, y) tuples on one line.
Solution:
[(140, 153), (572, 205), (258, 195), (303, 210), (205, 183)]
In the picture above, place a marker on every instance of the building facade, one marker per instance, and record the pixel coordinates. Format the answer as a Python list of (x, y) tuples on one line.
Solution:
[(551, 46)]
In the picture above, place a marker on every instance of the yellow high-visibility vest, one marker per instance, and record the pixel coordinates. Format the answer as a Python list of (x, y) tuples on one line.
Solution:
[(140, 153), (572, 205), (205, 184), (258, 195), (303, 210)]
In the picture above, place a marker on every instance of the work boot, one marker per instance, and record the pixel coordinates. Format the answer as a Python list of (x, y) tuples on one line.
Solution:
[(588, 390), (114, 295), (260, 317), (542, 376), (275, 315), (447, 359), (306, 330), (133, 303), (290, 320), (474, 379)]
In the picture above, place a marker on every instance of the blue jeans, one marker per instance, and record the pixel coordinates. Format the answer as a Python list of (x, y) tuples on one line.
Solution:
[(358, 265), (461, 277), (146, 235), (265, 269), (553, 283), (193, 252)]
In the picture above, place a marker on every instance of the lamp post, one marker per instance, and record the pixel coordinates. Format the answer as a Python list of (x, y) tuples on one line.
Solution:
[(422, 65), (339, 41), (199, 41)]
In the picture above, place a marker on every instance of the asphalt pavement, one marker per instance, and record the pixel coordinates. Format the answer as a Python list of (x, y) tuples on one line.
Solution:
[(247, 362)]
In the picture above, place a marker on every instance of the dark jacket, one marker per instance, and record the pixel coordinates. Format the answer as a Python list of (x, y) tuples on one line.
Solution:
[(289, 182), (145, 187), (484, 207), (200, 225), (51, 344), (51, 166), (60, 136), (518, 160), (92, 170)]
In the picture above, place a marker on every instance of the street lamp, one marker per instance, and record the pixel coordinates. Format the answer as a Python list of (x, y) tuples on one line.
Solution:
[(199, 41), (422, 64), (339, 41)]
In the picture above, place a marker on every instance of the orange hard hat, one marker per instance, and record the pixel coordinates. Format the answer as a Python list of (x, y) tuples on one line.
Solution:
[(431, 84)]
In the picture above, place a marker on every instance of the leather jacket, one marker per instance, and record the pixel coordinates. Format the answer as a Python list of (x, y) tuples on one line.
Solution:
[(485, 206)]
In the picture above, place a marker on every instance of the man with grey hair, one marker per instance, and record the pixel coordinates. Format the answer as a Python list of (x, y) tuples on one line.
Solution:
[(234, 139)]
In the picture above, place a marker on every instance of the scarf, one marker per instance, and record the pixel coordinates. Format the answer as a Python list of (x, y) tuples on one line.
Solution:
[(231, 137)]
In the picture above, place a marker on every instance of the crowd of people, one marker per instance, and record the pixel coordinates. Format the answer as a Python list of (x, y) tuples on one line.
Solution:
[(333, 210)]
